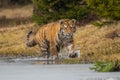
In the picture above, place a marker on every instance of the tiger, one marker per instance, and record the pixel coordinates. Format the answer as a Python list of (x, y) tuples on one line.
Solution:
[(52, 37)]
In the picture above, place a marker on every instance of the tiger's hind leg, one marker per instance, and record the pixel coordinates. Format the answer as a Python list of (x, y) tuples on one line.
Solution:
[(46, 55), (45, 50)]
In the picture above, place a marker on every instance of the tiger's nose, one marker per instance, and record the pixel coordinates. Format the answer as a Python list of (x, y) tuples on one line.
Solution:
[(69, 35)]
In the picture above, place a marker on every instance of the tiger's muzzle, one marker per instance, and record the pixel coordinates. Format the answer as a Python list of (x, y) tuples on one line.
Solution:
[(69, 35)]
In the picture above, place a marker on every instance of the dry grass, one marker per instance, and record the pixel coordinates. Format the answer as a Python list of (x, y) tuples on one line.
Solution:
[(14, 25), (14, 16), (13, 41), (23, 11), (94, 43), (98, 43)]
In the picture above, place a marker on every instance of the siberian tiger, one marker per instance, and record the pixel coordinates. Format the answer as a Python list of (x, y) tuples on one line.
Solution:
[(51, 38)]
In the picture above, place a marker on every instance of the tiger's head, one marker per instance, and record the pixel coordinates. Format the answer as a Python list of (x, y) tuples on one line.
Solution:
[(67, 28)]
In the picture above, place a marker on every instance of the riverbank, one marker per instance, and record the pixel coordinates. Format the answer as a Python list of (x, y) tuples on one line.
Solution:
[(94, 43)]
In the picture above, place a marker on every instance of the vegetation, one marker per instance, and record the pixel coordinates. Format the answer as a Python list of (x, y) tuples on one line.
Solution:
[(14, 24), (100, 24), (106, 66), (105, 8), (51, 10), (71, 61), (48, 10), (12, 42)]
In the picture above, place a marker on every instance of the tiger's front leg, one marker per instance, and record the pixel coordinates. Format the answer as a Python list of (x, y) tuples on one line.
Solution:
[(54, 53), (70, 50)]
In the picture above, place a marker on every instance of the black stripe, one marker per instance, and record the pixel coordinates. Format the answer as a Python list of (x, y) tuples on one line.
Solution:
[(27, 40), (58, 48), (58, 43)]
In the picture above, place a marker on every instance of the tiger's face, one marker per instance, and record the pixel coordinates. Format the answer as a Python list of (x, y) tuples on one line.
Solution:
[(67, 27)]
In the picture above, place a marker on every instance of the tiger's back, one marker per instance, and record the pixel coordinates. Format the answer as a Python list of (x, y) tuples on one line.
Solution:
[(47, 36)]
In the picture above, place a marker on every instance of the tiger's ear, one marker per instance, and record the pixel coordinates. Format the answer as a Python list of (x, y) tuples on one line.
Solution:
[(73, 21)]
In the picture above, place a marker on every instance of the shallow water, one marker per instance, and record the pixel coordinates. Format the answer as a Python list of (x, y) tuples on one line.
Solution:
[(23, 69)]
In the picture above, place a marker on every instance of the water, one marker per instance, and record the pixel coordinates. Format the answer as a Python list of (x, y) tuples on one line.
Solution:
[(24, 69)]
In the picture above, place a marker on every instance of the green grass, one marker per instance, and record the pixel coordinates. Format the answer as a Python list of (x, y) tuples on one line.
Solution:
[(108, 66), (100, 24)]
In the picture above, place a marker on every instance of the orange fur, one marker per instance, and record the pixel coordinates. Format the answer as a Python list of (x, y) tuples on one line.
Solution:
[(50, 31)]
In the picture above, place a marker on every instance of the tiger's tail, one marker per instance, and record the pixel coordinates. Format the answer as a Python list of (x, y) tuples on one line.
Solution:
[(28, 42)]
